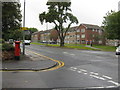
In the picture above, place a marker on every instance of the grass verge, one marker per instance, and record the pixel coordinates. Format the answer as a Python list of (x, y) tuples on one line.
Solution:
[(73, 46)]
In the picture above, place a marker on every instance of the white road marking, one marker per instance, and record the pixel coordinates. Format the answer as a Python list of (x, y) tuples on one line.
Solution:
[(72, 54), (65, 52), (107, 77), (83, 70), (97, 77), (94, 73), (74, 68), (79, 71), (115, 83), (85, 73)]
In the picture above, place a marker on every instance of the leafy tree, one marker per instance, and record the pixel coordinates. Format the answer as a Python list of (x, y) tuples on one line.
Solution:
[(112, 25), (59, 14), (30, 30), (11, 18)]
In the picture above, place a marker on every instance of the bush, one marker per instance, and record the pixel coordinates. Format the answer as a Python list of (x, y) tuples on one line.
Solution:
[(7, 47), (2, 41)]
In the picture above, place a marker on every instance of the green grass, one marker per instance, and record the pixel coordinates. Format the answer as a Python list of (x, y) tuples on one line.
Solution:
[(105, 48), (74, 46), (81, 46)]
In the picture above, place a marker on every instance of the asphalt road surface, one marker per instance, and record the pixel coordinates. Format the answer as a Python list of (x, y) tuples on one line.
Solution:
[(83, 69)]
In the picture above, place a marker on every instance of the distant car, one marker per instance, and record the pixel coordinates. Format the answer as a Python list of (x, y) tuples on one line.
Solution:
[(27, 42), (118, 50)]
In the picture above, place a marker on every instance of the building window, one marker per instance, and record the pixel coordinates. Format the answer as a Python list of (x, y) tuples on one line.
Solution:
[(78, 36), (93, 35), (93, 30), (78, 40), (82, 30), (83, 36), (83, 41), (78, 30)]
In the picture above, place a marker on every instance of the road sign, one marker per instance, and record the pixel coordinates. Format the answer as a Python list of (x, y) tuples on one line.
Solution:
[(23, 28)]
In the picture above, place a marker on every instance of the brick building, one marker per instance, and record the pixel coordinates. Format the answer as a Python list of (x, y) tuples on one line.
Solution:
[(82, 34)]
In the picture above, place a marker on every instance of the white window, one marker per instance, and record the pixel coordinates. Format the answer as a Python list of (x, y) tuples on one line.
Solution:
[(78, 30), (82, 30), (78, 36), (93, 35), (93, 30), (83, 36)]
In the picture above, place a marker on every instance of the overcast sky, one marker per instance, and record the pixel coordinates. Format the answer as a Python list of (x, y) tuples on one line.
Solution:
[(87, 11)]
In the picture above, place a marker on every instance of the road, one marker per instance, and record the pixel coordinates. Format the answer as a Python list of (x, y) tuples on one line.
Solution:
[(83, 69)]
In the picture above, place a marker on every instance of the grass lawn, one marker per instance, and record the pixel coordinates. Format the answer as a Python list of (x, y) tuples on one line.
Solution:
[(74, 46), (81, 46), (105, 48)]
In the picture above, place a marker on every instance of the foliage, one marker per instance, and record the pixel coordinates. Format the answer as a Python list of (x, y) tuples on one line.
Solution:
[(11, 18), (59, 14), (7, 47), (112, 25), (31, 30), (2, 41)]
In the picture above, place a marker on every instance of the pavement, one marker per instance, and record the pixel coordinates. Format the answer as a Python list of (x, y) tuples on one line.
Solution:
[(93, 47), (29, 61)]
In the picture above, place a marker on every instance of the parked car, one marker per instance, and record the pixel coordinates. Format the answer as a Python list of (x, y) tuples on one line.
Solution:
[(118, 50), (27, 42)]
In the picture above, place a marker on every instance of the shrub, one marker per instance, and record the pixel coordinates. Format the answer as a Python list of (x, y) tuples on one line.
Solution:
[(7, 47), (2, 41)]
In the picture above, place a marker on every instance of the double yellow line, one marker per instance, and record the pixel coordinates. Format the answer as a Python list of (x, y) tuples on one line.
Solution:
[(59, 65)]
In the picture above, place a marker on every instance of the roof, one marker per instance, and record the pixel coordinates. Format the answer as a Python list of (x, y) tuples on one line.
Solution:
[(73, 29), (90, 26)]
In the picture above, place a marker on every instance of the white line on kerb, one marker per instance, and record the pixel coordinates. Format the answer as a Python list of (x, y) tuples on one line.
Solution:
[(115, 83), (107, 77), (110, 86)]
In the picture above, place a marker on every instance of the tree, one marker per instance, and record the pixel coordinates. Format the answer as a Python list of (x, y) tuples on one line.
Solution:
[(30, 30), (59, 14), (11, 19), (112, 25)]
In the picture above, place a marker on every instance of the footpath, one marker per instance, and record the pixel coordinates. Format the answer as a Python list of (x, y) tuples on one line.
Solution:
[(30, 62)]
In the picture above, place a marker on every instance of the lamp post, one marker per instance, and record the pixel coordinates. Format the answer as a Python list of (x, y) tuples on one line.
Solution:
[(23, 30)]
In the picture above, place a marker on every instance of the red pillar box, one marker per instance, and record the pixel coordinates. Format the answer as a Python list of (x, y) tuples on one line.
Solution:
[(17, 50)]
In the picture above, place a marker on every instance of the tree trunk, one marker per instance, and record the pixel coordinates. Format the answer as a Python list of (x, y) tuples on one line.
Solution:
[(62, 42)]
